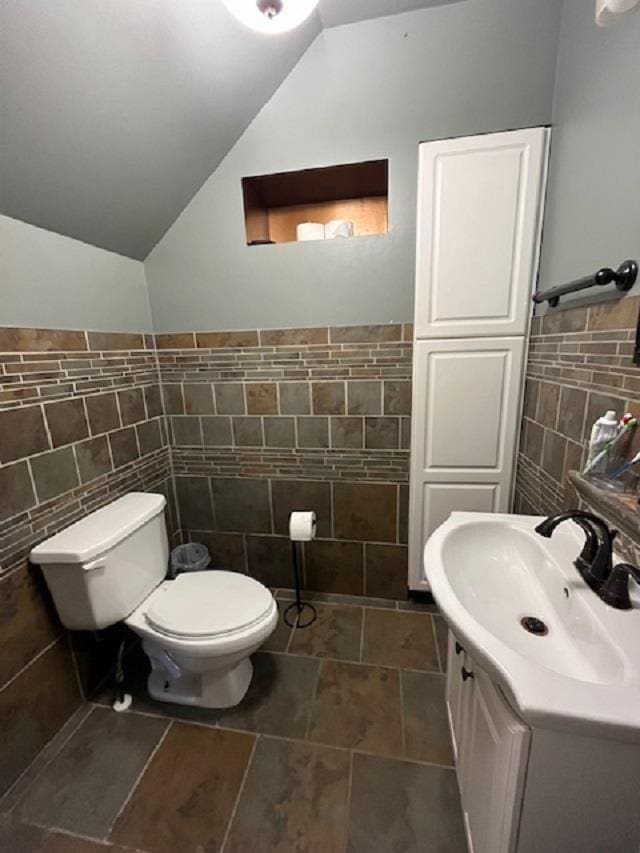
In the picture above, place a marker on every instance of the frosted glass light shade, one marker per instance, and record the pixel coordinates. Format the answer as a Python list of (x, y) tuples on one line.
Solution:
[(606, 10), (290, 15)]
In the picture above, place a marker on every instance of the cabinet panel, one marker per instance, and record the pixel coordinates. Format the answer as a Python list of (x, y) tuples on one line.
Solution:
[(466, 402), (475, 186), (465, 426), (439, 500), (495, 761), (465, 395), (491, 754), (478, 233)]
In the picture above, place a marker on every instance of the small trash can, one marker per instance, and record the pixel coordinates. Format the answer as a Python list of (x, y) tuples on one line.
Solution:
[(192, 557)]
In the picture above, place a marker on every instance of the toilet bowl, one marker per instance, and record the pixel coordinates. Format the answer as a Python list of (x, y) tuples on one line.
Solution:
[(198, 630)]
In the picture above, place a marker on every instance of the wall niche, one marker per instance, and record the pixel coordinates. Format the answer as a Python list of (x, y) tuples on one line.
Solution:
[(275, 204)]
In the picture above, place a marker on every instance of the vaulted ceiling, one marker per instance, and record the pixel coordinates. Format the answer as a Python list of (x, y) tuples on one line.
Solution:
[(114, 112)]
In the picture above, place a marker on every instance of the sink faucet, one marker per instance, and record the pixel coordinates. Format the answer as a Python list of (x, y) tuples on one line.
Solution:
[(586, 557), (595, 560), (615, 590)]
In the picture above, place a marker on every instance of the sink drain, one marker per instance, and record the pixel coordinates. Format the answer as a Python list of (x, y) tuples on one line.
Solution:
[(534, 626)]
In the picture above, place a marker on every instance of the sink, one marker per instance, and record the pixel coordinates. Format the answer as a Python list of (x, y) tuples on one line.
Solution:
[(580, 668), (502, 575)]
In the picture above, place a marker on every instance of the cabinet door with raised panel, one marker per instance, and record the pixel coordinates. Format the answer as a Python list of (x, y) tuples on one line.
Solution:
[(493, 767), (479, 204), (466, 404)]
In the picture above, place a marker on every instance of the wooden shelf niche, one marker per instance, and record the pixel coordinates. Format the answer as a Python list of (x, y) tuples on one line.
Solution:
[(275, 204)]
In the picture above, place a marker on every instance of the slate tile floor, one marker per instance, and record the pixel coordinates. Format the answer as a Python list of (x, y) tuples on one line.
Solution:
[(341, 744)]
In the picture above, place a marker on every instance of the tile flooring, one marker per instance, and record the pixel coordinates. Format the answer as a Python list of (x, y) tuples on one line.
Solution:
[(341, 744)]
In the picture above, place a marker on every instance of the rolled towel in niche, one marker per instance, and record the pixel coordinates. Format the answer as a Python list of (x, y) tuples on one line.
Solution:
[(338, 228), (309, 231)]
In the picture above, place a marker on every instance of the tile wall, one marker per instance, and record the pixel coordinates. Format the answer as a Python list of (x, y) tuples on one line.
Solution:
[(242, 427), (81, 422), (245, 427), (265, 422), (579, 365)]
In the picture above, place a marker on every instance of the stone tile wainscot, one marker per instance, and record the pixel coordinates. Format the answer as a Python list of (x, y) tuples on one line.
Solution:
[(81, 422), (265, 422), (579, 365)]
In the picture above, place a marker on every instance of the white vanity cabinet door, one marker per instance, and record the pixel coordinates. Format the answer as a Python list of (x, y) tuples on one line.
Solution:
[(478, 233), (492, 749)]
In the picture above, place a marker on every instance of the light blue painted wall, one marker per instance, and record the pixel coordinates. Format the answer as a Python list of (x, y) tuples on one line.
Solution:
[(53, 282), (593, 202), (362, 91)]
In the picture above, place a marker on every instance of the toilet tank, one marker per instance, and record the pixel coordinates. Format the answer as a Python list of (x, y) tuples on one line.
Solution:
[(103, 566)]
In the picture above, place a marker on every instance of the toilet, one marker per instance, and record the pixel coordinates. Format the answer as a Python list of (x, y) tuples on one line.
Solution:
[(198, 630)]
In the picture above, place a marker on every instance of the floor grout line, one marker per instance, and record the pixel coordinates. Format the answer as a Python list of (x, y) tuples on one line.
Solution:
[(73, 728), (354, 662), (139, 778), (402, 731), (31, 662), (380, 609), (239, 794), (347, 822), (291, 635), (359, 599), (68, 832), (169, 719), (352, 749), (364, 616), (74, 663), (393, 608), (399, 669), (289, 739), (314, 696)]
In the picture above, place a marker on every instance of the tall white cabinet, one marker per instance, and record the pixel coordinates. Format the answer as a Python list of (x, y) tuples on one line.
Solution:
[(479, 217)]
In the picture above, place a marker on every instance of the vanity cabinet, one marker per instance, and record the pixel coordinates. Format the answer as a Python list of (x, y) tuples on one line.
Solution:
[(490, 745), (536, 790)]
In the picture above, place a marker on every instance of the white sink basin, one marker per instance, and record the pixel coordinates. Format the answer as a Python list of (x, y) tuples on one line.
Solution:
[(488, 572)]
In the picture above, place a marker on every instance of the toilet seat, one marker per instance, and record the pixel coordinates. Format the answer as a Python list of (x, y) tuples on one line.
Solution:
[(207, 605), (199, 632)]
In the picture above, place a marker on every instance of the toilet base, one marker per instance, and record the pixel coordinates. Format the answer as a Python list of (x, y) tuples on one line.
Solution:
[(218, 688)]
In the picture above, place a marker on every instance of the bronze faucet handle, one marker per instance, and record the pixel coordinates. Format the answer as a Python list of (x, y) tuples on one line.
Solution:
[(615, 590)]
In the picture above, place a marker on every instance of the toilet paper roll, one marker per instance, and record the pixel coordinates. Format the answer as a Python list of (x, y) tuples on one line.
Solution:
[(338, 228), (302, 526), (309, 231)]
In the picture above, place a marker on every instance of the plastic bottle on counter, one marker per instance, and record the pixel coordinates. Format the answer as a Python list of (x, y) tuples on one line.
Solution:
[(603, 431)]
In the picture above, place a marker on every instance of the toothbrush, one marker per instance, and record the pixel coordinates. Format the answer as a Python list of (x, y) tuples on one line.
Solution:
[(628, 424), (624, 468)]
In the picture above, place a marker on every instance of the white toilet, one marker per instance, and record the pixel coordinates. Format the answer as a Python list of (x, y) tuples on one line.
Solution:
[(198, 630)]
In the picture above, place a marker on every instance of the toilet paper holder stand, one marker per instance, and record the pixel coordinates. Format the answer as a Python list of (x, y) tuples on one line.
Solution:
[(300, 614)]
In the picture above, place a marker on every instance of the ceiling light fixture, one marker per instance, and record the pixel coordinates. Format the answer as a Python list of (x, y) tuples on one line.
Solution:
[(608, 10), (271, 16)]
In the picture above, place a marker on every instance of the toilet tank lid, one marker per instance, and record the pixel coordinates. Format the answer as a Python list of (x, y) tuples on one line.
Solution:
[(99, 531)]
